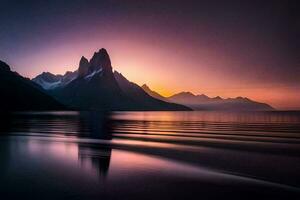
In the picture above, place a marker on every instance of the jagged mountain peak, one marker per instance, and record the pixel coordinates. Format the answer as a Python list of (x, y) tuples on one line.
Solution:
[(103, 51), (99, 64), (100, 60), (83, 67), (145, 87), (83, 58), (49, 77)]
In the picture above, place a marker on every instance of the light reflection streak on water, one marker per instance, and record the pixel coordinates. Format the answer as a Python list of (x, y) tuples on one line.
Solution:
[(240, 147)]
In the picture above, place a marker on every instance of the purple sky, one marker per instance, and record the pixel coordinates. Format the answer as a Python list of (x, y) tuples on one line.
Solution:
[(226, 48)]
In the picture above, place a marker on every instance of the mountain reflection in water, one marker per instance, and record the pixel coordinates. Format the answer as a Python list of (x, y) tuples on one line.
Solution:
[(149, 155)]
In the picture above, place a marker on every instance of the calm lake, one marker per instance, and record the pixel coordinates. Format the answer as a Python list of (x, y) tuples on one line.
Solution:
[(150, 155)]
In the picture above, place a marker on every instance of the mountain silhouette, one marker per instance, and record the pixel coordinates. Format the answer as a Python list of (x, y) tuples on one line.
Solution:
[(153, 93), (19, 93), (203, 102), (140, 97), (188, 98), (94, 86), (50, 81)]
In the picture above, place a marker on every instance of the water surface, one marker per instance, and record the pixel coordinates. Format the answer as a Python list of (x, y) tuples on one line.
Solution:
[(150, 155)]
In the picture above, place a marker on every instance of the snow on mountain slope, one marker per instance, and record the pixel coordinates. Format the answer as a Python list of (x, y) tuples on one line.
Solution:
[(49, 81)]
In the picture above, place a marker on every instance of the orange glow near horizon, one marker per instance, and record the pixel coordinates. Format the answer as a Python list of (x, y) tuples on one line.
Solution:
[(227, 49), (167, 72), (279, 98)]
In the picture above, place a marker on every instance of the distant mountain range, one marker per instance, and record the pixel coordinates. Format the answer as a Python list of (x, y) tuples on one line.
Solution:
[(18, 93), (94, 86), (203, 102)]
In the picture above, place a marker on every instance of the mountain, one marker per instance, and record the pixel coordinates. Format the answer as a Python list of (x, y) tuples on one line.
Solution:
[(188, 98), (230, 104), (153, 93), (19, 93), (94, 86), (50, 81), (140, 97), (203, 102)]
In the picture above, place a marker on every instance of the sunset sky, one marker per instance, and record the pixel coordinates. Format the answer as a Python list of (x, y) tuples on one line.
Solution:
[(225, 48)]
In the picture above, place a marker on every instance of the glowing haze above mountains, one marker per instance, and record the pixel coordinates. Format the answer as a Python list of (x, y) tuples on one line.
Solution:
[(227, 49)]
